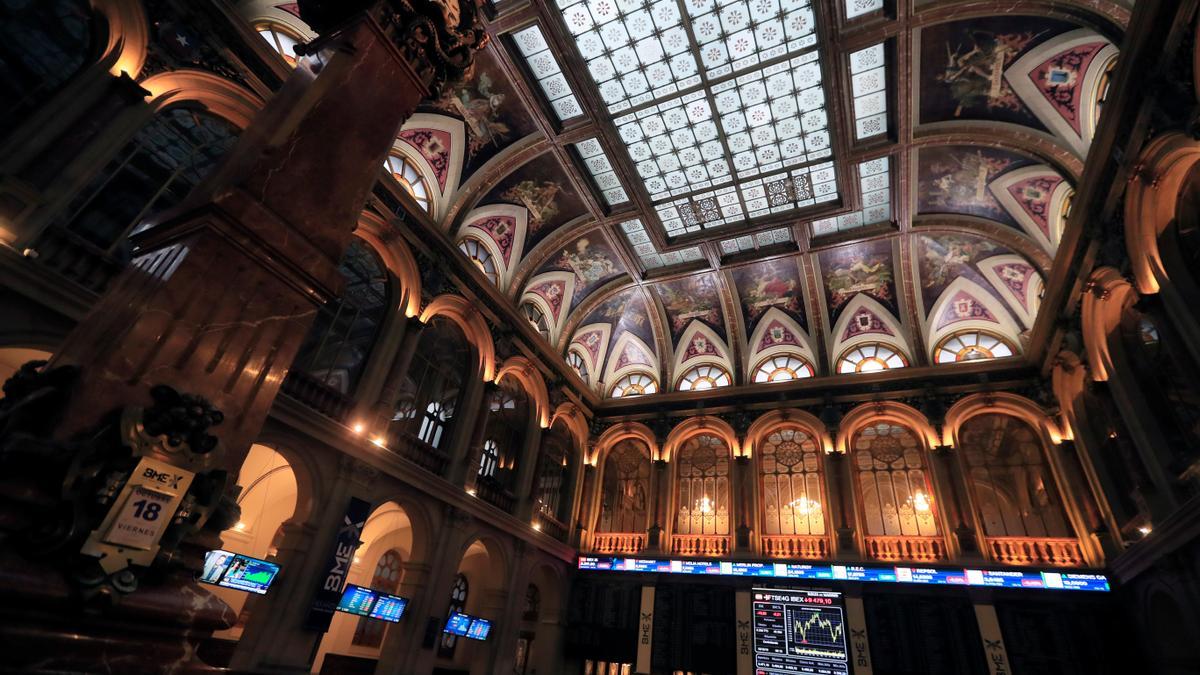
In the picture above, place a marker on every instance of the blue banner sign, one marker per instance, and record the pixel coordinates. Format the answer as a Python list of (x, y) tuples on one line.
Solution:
[(1052, 580)]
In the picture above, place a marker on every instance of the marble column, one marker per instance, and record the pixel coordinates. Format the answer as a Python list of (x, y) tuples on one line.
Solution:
[(841, 506), (745, 513), (660, 490)]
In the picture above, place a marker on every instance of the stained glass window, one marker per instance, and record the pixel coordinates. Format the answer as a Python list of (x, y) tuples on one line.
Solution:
[(458, 603), (897, 498), (868, 85), (635, 232), (478, 254), (489, 459), (702, 378), (790, 470), (634, 384), (537, 318), (544, 66), (971, 346), (577, 364), (782, 369), (602, 172), (369, 632), (870, 358), (857, 8), (760, 240), (875, 185), (406, 173), (625, 489), (702, 487)]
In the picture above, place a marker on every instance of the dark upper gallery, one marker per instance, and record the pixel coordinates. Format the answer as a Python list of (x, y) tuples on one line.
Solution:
[(600, 337)]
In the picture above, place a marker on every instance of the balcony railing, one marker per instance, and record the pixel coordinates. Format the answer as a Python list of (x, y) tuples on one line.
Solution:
[(699, 545), (795, 546), (317, 395), (1034, 551), (76, 259), (420, 453), (619, 542), (916, 549), (550, 525), (495, 494)]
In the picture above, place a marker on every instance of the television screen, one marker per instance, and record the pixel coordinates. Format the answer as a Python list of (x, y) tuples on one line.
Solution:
[(799, 631), (458, 624), (479, 629), (389, 607), (239, 572), (357, 600)]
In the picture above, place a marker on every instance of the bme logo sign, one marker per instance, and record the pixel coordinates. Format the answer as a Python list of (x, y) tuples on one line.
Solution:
[(166, 478)]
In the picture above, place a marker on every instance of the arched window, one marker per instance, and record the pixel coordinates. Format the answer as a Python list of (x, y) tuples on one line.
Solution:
[(553, 466), (702, 378), (489, 459), (870, 358), (410, 178), (158, 168), (792, 495), (458, 603), (1013, 487), (897, 497), (509, 416), (971, 346), (429, 394), (625, 489), (386, 579), (537, 318), (343, 335), (533, 603), (782, 369), (634, 384), (42, 44), (478, 254), (577, 364), (283, 40), (702, 487)]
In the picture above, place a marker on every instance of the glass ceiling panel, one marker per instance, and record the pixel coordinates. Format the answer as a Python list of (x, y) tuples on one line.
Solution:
[(545, 69), (748, 242), (874, 180), (868, 82), (722, 102), (635, 232), (856, 8), (602, 171)]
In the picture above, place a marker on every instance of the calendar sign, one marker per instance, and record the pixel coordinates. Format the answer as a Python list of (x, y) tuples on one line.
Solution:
[(141, 514)]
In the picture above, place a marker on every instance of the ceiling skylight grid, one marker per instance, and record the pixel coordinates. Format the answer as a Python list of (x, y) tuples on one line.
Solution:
[(868, 85), (874, 181), (857, 8), (747, 136), (546, 70), (601, 171), (636, 233), (748, 242)]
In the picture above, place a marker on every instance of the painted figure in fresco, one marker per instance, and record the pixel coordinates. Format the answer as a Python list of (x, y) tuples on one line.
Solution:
[(960, 183), (689, 299), (871, 276), (768, 289), (589, 263), (974, 71), (949, 257), (540, 200), (480, 108)]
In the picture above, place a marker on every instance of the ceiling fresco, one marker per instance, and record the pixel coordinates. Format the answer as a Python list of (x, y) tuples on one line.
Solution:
[(769, 177)]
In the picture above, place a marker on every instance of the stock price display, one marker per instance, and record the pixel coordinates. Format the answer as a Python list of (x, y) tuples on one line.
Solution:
[(798, 631)]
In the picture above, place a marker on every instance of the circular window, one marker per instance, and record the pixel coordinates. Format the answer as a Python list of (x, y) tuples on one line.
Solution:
[(634, 384), (702, 378), (870, 358), (971, 346), (782, 369)]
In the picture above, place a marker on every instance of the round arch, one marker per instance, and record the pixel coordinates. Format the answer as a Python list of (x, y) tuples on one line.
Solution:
[(885, 411), (1151, 202), (695, 426), (128, 36), (573, 419), (398, 258), (1002, 403), (619, 432), (785, 418), (527, 374), (1107, 297), (218, 95), (461, 312)]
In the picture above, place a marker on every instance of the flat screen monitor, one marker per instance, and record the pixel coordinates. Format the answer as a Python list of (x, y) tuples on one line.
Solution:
[(479, 629), (457, 624), (799, 631), (389, 607), (357, 600), (239, 572)]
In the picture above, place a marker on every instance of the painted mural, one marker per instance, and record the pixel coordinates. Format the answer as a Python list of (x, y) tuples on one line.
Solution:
[(591, 259), (434, 146), (625, 312), (773, 283), (550, 203), (943, 258), (957, 179), (964, 63), (489, 106), (864, 267), (693, 298)]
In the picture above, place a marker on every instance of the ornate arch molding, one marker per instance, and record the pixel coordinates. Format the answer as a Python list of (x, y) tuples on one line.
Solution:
[(218, 95), (1068, 379), (573, 419), (527, 374), (312, 479), (465, 316), (696, 426), (420, 524), (885, 411), (1002, 403), (786, 418), (620, 432), (398, 258), (1107, 297), (1151, 203), (128, 36)]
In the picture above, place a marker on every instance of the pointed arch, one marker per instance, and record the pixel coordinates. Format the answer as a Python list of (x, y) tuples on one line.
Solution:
[(439, 129), (630, 354), (1018, 282), (1152, 200), (128, 36), (527, 374), (865, 320), (1036, 197), (576, 422), (591, 343), (875, 412), (501, 229), (551, 292), (619, 432), (699, 344), (695, 426), (785, 417), (457, 309), (763, 343), (946, 316)]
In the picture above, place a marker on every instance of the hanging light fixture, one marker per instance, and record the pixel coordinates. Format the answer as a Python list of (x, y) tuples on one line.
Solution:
[(704, 505)]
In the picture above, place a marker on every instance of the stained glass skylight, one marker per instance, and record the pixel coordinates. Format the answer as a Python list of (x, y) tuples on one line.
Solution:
[(868, 83), (720, 103), (601, 171), (635, 232), (874, 180), (748, 242), (856, 8), (549, 75)]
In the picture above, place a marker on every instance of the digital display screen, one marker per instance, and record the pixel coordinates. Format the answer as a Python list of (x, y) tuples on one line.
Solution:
[(458, 624), (389, 607), (237, 571), (1056, 580), (479, 629), (799, 631), (357, 600)]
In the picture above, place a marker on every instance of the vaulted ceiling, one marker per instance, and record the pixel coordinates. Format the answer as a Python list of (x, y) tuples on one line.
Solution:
[(749, 184)]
